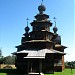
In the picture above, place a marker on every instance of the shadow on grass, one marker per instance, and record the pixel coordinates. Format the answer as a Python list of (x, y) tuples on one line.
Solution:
[(15, 74), (20, 72), (12, 72)]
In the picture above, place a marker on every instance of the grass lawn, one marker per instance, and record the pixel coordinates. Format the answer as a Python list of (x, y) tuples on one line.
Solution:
[(65, 72), (3, 74), (10, 74)]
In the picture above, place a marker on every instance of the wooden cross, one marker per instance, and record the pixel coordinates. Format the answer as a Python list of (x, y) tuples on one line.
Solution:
[(42, 2), (27, 21), (55, 20)]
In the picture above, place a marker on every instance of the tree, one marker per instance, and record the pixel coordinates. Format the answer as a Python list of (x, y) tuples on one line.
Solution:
[(1, 57), (66, 63), (9, 60), (1, 60), (0, 53)]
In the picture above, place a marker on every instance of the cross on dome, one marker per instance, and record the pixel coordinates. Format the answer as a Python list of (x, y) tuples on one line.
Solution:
[(55, 29), (41, 8), (55, 20), (27, 28), (27, 21), (42, 2)]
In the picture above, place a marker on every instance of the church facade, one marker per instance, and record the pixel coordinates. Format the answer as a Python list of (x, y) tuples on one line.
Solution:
[(40, 50)]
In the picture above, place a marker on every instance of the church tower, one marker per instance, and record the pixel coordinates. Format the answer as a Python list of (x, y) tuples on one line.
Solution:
[(40, 50)]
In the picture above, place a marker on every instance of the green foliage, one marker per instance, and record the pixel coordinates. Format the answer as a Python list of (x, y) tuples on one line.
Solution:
[(0, 53), (9, 60), (1, 60), (66, 63), (1, 57), (70, 64)]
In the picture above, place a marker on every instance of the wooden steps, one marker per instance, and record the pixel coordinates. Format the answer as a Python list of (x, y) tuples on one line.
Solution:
[(36, 74)]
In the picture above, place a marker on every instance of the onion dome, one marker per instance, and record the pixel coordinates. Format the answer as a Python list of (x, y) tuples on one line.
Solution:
[(27, 29), (55, 29), (57, 39), (41, 8)]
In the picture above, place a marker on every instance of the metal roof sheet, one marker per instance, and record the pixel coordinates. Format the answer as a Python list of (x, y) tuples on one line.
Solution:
[(35, 53), (36, 57)]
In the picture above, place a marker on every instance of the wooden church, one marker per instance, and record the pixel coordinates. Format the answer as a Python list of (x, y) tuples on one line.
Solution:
[(40, 50)]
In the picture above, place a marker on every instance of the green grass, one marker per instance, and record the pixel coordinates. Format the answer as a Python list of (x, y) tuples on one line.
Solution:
[(3, 74), (65, 72), (10, 74)]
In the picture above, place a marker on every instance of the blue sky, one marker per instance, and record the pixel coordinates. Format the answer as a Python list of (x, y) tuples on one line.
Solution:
[(13, 14)]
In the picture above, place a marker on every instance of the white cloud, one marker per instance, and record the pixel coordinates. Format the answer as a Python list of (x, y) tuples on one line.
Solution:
[(70, 56)]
